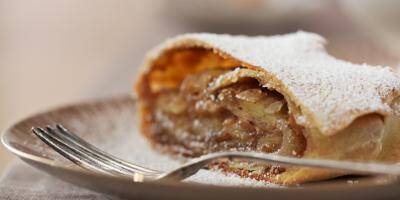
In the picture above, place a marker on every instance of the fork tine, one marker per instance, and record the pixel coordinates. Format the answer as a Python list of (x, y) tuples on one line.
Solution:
[(67, 152), (82, 152), (73, 138)]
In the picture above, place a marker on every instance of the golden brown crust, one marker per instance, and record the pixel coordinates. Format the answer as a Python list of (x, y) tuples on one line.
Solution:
[(329, 93)]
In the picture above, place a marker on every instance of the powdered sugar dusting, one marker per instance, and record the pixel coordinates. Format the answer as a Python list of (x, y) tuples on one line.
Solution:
[(330, 92)]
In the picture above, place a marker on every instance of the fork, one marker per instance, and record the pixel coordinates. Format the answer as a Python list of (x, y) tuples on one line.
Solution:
[(87, 156)]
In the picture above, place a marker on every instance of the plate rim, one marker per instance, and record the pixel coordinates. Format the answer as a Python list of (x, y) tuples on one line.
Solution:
[(8, 130)]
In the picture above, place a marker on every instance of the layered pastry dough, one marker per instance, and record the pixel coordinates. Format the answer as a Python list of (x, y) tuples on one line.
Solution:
[(202, 93)]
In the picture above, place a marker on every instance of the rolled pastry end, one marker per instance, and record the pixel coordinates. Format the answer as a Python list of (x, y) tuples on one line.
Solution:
[(194, 101)]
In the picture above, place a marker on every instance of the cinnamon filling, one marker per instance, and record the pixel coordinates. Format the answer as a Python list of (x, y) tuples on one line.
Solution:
[(196, 119)]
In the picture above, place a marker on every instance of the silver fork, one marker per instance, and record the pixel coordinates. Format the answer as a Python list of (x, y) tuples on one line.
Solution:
[(89, 157)]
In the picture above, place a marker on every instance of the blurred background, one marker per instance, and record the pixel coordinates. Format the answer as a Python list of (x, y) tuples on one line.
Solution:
[(54, 52)]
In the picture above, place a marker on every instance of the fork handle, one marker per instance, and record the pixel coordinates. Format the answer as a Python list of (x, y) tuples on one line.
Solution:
[(196, 164)]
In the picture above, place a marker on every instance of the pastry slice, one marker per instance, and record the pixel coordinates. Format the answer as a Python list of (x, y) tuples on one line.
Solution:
[(203, 93)]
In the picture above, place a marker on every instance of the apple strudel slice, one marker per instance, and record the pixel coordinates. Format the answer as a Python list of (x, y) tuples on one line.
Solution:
[(202, 93)]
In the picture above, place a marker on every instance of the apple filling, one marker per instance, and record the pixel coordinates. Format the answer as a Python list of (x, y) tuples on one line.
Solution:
[(198, 118)]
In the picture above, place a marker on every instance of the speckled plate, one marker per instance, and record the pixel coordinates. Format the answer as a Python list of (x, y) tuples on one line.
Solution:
[(111, 124)]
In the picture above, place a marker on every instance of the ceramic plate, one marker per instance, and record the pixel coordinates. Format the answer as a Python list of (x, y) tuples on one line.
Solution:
[(112, 125)]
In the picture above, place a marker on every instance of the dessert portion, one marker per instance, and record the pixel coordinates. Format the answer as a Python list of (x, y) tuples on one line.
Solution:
[(203, 93)]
